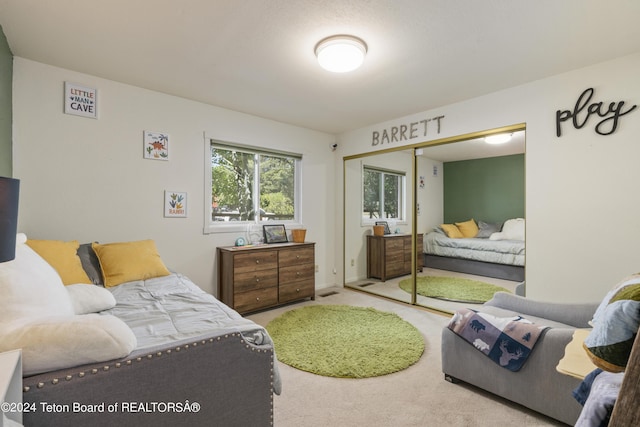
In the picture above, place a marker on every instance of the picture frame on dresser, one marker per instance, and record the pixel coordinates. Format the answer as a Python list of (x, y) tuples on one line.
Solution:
[(275, 233)]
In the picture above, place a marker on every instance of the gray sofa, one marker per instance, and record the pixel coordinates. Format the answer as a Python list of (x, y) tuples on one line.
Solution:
[(537, 385)]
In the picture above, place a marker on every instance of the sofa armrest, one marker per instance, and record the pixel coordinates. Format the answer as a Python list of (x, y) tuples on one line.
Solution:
[(225, 380), (577, 315), (538, 385)]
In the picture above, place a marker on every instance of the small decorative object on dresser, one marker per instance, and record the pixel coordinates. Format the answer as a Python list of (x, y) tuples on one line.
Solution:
[(275, 233), (298, 235), (258, 277), (385, 224)]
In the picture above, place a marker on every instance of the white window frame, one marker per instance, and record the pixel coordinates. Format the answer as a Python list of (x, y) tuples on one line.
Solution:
[(402, 203), (211, 227)]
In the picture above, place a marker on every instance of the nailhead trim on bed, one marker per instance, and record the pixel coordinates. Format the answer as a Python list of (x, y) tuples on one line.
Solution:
[(150, 356)]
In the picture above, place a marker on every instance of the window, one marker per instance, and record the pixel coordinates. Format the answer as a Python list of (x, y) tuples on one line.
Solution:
[(382, 194), (250, 185)]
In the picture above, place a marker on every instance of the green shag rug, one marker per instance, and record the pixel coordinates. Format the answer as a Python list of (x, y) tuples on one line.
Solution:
[(345, 341), (453, 289)]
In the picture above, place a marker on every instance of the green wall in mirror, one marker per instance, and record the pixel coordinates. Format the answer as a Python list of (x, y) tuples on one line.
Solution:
[(490, 189)]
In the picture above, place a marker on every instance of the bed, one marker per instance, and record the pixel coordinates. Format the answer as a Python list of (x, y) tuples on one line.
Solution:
[(152, 350), (485, 249)]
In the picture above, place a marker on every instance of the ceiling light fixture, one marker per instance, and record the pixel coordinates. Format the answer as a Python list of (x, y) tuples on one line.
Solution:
[(341, 54), (500, 138)]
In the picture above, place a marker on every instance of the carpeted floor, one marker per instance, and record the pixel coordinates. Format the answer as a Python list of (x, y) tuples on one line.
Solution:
[(415, 397), (391, 289), (452, 288), (345, 341)]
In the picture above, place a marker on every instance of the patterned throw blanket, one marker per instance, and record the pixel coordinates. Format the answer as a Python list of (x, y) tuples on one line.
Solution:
[(507, 341)]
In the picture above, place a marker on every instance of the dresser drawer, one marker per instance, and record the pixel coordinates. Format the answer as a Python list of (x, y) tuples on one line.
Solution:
[(396, 269), (246, 281), (393, 244), (252, 261), (296, 256), (297, 290), (296, 273), (255, 299)]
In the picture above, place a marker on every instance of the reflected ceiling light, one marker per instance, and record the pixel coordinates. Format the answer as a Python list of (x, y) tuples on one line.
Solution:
[(500, 138), (341, 54)]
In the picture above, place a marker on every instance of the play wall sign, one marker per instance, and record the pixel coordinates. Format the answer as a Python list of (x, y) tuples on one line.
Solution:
[(80, 100), (608, 114)]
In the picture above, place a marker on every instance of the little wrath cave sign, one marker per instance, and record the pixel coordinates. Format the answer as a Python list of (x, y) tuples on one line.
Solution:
[(584, 109)]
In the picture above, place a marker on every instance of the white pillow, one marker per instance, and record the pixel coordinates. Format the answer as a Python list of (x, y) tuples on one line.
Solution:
[(62, 342), (30, 288), (90, 298), (513, 229)]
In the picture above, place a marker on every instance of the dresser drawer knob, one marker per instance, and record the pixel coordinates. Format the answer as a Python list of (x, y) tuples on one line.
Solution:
[(297, 256), (297, 290), (297, 273), (257, 279), (257, 261), (257, 298)]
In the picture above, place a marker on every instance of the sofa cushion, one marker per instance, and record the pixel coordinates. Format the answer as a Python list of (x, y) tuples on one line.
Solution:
[(30, 288), (512, 229), (486, 229), (63, 257), (60, 342), (90, 298), (452, 231), (500, 312), (615, 326), (128, 261), (468, 228), (90, 263)]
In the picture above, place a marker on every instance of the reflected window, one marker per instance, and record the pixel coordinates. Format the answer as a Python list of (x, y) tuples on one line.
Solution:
[(382, 194)]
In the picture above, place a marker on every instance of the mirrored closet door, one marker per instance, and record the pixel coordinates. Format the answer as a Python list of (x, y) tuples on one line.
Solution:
[(411, 192)]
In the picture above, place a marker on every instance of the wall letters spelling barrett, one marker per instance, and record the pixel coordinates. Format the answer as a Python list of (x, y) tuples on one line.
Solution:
[(582, 111), (404, 132)]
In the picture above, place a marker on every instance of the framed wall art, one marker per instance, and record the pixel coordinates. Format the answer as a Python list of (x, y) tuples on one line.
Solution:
[(80, 100), (274, 233), (175, 204), (156, 145)]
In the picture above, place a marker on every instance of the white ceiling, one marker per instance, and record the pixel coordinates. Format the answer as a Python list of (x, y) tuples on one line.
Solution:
[(256, 56), (476, 149)]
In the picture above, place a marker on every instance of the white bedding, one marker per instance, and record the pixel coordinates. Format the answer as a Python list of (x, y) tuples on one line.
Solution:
[(509, 252), (171, 309)]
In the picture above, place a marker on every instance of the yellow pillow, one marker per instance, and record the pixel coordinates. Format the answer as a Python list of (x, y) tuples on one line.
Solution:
[(452, 231), (63, 257), (128, 261), (468, 228)]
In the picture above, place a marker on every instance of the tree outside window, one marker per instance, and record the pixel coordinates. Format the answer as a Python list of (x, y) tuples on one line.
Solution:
[(382, 194), (252, 186)]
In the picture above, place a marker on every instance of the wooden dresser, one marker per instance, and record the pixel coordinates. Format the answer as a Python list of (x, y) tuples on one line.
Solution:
[(252, 278), (390, 255)]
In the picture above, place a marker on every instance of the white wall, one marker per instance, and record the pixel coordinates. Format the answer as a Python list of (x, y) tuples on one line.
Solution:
[(85, 179), (581, 204), (431, 196)]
